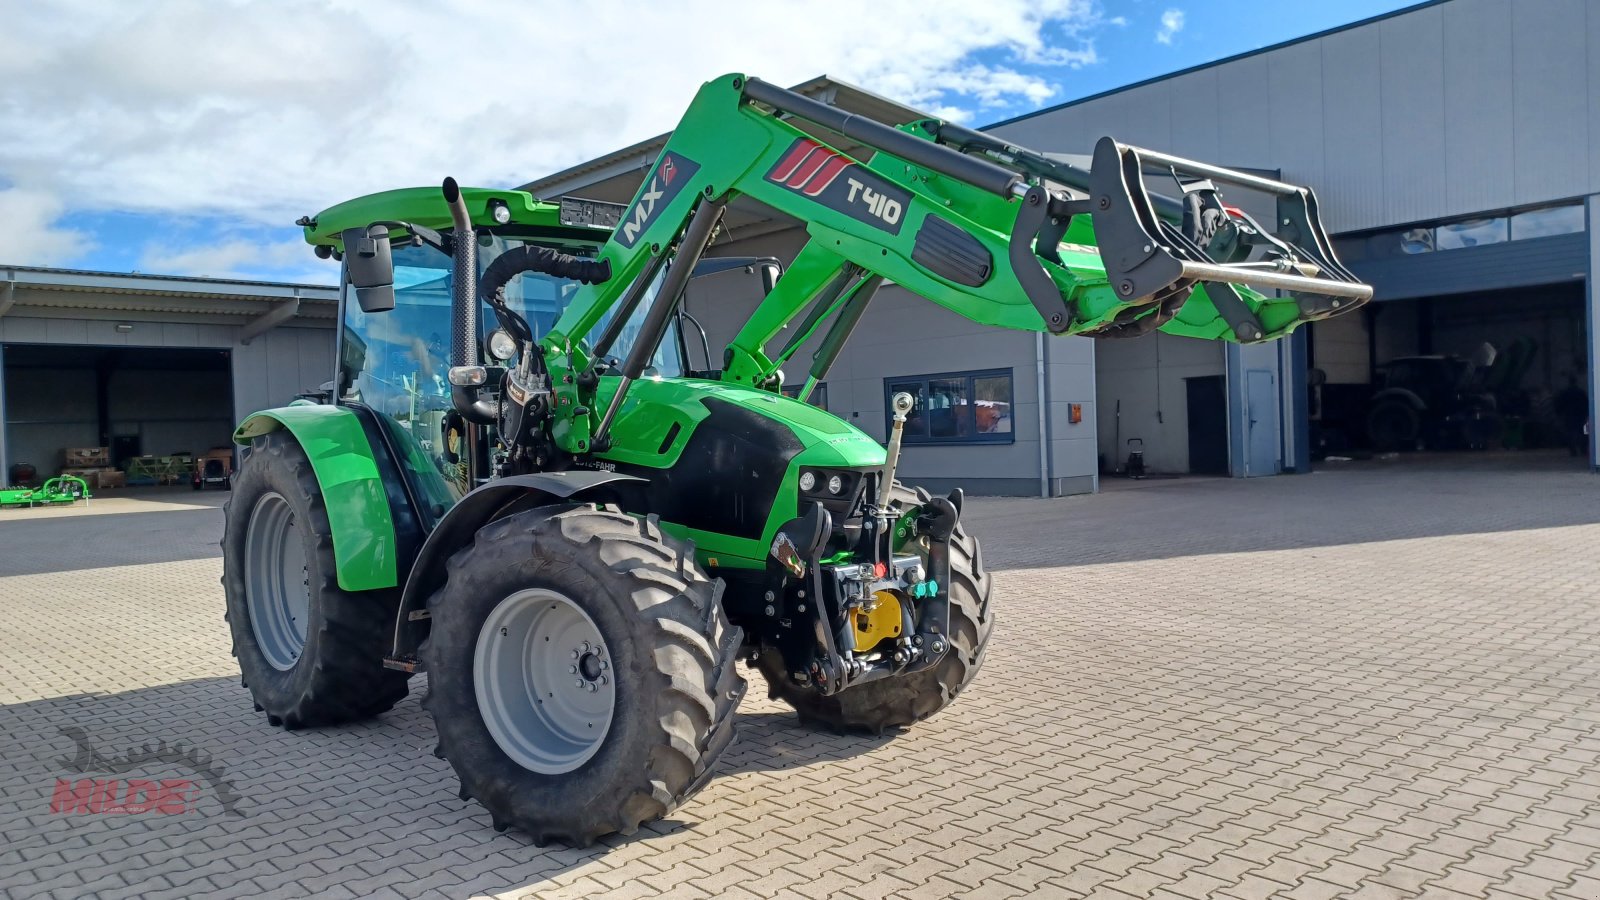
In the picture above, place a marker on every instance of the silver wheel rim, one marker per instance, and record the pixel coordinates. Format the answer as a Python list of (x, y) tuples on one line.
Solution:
[(277, 593), (545, 686)]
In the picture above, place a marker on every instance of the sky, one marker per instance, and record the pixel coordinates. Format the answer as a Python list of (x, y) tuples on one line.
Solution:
[(185, 137)]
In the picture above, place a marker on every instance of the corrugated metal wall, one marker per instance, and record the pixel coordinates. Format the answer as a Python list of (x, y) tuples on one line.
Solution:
[(1448, 110)]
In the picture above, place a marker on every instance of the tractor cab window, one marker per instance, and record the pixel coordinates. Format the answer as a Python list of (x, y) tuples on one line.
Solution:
[(396, 362), (668, 359)]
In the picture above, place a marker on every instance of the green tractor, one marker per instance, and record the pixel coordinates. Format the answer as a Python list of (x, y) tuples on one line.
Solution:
[(521, 487)]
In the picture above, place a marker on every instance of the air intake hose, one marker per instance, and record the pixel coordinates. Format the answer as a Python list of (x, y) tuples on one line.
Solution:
[(528, 258)]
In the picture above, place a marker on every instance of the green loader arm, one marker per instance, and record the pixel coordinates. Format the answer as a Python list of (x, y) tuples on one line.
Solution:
[(998, 234)]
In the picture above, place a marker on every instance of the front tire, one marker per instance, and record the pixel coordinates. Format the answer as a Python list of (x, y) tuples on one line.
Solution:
[(571, 743), (904, 700), (1394, 425), (310, 653)]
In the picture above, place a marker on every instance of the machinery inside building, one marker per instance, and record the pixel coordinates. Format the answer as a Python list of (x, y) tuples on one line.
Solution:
[(150, 408)]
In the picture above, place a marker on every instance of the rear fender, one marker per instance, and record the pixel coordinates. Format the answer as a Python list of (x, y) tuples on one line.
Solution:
[(1402, 395), (455, 530), (364, 544)]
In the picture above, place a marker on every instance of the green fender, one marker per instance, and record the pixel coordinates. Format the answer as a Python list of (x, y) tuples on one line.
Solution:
[(352, 492)]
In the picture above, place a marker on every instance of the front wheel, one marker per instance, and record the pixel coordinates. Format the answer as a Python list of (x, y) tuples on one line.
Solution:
[(1394, 425), (310, 653), (903, 700), (582, 672)]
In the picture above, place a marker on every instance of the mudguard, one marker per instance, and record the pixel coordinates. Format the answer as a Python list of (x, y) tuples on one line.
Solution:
[(364, 543), (463, 521), (1404, 395)]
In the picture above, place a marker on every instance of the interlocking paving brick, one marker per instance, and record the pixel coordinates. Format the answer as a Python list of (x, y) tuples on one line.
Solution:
[(1377, 681)]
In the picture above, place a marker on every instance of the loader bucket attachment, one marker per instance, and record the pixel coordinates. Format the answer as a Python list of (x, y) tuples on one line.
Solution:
[(1148, 257), (1157, 248)]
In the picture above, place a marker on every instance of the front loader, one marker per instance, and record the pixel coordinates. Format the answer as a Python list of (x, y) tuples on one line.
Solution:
[(522, 487)]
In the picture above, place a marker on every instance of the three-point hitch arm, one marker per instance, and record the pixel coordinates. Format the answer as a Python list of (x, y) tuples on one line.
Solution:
[(999, 234)]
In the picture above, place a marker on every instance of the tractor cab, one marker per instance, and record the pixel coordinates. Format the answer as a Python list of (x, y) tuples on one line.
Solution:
[(394, 355)]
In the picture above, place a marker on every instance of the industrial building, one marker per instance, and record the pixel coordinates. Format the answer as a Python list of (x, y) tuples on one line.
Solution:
[(1455, 148), (148, 366)]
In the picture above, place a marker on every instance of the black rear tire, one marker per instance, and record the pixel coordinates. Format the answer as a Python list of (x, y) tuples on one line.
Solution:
[(897, 702), (339, 674), (671, 648), (1394, 425)]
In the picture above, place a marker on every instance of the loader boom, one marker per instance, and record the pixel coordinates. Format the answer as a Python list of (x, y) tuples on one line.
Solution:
[(998, 234)]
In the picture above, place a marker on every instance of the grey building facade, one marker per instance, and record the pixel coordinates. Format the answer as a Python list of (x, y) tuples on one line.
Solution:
[(149, 365), (1455, 147)]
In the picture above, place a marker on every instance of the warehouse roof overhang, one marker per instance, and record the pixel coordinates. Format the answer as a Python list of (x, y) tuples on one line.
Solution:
[(616, 176), (258, 306)]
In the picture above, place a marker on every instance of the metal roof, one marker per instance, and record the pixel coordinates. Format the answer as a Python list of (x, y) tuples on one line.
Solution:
[(89, 281), (33, 287), (638, 158), (616, 175)]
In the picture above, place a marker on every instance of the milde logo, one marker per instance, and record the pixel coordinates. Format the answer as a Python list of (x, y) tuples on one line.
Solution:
[(132, 796)]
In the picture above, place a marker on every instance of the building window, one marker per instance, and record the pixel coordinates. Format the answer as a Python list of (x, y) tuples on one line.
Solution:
[(955, 407), (1426, 238), (1551, 220), (1472, 233), (819, 394)]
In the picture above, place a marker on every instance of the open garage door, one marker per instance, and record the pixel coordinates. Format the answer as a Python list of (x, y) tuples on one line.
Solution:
[(1498, 377), (154, 410)]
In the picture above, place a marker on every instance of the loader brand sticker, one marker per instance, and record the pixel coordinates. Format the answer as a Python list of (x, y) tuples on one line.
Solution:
[(839, 182), (674, 171)]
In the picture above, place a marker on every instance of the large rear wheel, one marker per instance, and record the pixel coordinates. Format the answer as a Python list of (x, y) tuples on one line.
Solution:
[(582, 672), (310, 653), (897, 702)]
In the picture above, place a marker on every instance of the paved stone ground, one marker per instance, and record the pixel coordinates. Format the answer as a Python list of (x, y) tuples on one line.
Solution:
[(1372, 681)]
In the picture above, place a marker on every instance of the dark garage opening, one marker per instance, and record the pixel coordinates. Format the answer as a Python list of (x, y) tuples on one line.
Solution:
[(137, 401), (1497, 372)]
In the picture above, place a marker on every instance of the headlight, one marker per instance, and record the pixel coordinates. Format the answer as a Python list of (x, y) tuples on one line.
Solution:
[(808, 481), (502, 346), (501, 212), (835, 484)]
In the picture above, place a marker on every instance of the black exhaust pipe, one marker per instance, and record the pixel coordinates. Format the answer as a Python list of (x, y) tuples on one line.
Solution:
[(464, 307)]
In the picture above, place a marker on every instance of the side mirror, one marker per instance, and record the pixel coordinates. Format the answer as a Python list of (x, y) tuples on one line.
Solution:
[(369, 265)]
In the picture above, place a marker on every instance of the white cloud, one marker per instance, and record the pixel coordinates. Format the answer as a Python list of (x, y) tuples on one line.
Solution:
[(286, 260), (29, 235), (266, 111), (1171, 24)]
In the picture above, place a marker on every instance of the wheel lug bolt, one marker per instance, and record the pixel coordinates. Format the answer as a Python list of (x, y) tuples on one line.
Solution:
[(574, 654), (578, 683), (604, 680), (572, 670), (592, 688), (586, 646), (604, 664)]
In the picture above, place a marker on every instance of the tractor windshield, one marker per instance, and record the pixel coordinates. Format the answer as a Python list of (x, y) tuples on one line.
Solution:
[(395, 363)]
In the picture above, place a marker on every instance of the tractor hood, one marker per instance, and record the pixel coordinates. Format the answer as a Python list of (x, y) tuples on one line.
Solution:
[(644, 431)]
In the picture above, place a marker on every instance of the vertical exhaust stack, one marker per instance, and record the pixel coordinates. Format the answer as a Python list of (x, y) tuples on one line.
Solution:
[(463, 280), (466, 375)]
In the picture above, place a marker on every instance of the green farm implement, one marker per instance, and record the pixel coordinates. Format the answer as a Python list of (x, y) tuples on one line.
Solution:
[(521, 485), (59, 491)]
